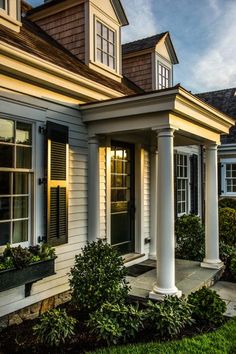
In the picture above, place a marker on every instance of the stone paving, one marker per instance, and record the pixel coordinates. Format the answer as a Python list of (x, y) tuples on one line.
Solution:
[(227, 292)]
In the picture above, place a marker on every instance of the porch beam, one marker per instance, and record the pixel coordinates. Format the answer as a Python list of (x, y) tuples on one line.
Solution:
[(93, 189), (211, 259), (165, 284)]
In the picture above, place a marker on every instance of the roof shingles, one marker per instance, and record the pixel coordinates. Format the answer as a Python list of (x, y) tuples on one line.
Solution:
[(142, 44)]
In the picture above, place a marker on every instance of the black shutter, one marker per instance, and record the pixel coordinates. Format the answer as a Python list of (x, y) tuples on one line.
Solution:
[(57, 179), (194, 183), (175, 184), (219, 179)]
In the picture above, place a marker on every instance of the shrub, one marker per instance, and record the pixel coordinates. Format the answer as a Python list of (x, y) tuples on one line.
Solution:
[(190, 238), (227, 203), (226, 252), (208, 308), (114, 323), (98, 277), (169, 317), (54, 327), (233, 266), (227, 226)]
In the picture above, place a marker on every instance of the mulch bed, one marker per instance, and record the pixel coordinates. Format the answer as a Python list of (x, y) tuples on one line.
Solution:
[(20, 338)]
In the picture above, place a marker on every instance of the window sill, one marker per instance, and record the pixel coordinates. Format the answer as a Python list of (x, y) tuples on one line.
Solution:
[(9, 21), (105, 70)]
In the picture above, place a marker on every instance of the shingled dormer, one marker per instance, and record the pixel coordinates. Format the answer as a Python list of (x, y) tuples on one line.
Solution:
[(149, 62), (89, 29), (10, 14)]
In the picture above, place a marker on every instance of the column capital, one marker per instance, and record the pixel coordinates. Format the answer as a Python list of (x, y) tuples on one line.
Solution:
[(213, 146), (93, 139), (167, 132)]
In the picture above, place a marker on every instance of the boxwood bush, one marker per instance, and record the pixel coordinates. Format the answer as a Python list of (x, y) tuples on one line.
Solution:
[(207, 307), (227, 203), (190, 238), (98, 277), (227, 226)]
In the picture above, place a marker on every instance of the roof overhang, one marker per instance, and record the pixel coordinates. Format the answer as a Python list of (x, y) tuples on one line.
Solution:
[(120, 12), (170, 108)]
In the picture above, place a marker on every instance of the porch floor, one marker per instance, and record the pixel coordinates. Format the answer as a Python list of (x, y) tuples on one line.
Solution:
[(189, 277)]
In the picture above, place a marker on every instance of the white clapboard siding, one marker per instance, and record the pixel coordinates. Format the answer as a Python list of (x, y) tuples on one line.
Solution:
[(41, 111)]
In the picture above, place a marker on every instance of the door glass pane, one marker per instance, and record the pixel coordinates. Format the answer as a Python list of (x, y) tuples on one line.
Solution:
[(5, 229), (23, 133), (6, 155), (6, 130), (20, 231), (20, 207), (5, 183), (23, 157), (5, 208), (20, 183)]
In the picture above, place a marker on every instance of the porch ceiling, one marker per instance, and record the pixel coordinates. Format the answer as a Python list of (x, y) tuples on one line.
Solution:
[(195, 121)]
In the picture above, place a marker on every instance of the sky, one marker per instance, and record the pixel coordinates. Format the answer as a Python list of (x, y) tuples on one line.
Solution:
[(203, 33)]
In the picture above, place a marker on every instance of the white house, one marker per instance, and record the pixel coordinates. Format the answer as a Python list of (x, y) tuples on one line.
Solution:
[(88, 153)]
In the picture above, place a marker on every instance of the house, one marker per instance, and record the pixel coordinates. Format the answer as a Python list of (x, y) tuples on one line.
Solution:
[(225, 101), (88, 153)]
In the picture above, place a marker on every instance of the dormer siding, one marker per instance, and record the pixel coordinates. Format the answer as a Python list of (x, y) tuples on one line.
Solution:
[(68, 28)]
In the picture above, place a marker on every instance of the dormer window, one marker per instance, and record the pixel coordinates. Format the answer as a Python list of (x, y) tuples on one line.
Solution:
[(3, 4), (106, 45), (163, 77), (10, 14)]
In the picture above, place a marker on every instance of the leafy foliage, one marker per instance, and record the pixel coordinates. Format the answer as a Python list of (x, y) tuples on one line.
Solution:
[(98, 277), (227, 203), (21, 257), (208, 308), (114, 322), (190, 238), (227, 226), (54, 327), (233, 266), (167, 318)]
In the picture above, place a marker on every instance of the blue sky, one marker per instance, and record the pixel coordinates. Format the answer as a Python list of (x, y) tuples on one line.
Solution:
[(203, 33)]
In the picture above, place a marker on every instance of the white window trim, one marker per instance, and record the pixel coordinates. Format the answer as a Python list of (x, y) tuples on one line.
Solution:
[(188, 184), (224, 192), (97, 62)]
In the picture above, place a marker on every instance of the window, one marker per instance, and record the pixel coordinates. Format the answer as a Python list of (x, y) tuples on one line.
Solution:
[(182, 183), (15, 181), (230, 177), (3, 4), (105, 45), (163, 77)]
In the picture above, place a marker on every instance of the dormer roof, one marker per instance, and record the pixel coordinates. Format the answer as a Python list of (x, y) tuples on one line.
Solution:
[(150, 43)]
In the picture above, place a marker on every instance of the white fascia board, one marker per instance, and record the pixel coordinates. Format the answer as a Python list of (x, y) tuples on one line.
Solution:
[(57, 70)]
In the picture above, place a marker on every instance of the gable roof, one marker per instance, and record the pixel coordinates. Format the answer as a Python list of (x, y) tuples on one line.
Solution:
[(33, 40), (150, 43), (224, 100)]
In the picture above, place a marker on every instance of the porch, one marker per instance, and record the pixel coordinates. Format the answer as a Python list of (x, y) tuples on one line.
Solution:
[(189, 277)]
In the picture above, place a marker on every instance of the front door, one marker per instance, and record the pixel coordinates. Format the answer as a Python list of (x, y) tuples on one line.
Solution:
[(122, 197)]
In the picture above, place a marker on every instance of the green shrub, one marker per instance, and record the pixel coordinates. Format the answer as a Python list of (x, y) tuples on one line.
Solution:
[(98, 277), (54, 328), (21, 257), (114, 323), (208, 308), (190, 238), (226, 251), (227, 203), (233, 266), (227, 226), (167, 318)]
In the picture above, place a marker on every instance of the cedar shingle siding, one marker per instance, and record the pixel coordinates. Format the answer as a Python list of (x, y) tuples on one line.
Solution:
[(67, 27), (139, 70)]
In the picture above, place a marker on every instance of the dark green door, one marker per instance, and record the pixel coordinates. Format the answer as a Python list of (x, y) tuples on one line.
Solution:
[(122, 197)]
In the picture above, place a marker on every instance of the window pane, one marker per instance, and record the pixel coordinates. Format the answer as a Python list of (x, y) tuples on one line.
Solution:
[(20, 231), (23, 157), (111, 36), (23, 133), (111, 49), (105, 32), (5, 209), (99, 56), (20, 207), (5, 183), (111, 62), (6, 130), (20, 183), (6, 156), (99, 42), (5, 230), (105, 46), (99, 28)]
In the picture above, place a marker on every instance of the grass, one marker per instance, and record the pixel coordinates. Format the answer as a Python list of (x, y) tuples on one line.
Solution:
[(221, 341)]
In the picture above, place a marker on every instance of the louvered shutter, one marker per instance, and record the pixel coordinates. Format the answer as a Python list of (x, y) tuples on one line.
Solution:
[(57, 179), (194, 184), (175, 184), (219, 179)]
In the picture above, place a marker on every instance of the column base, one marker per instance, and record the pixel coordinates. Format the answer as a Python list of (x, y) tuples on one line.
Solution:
[(160, 293), (212, 264)]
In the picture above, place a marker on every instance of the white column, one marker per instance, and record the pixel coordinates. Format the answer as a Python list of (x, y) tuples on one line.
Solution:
[(93, 190), (153, 211), (211, 259), (165, 284)]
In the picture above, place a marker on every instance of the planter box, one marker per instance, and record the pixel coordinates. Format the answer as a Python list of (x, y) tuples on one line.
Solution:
[(11, 278)]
